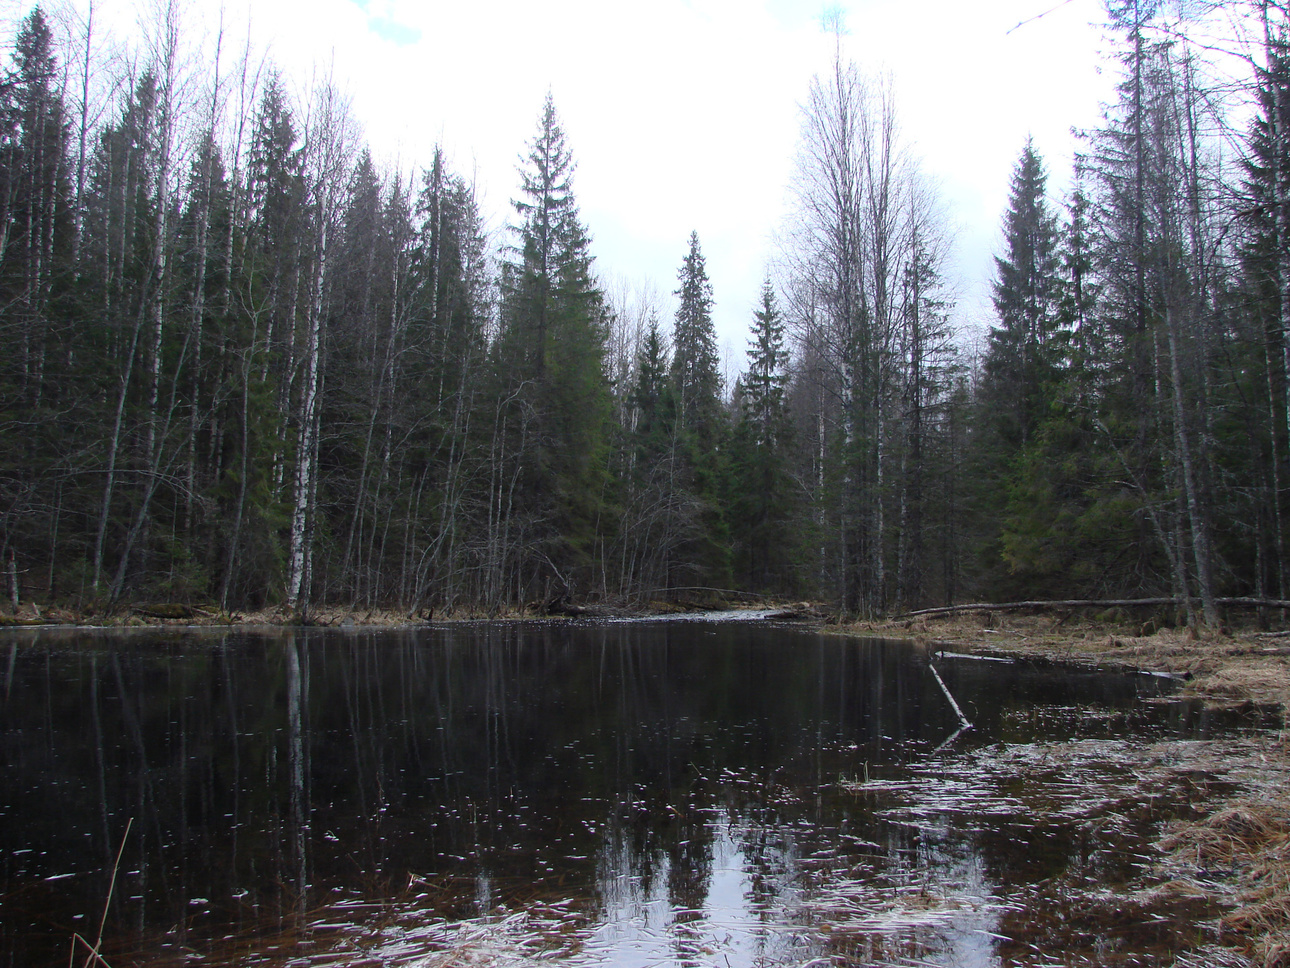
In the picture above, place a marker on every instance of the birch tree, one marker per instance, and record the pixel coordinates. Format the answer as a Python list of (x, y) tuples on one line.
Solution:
[(328, 156), (848, 256)]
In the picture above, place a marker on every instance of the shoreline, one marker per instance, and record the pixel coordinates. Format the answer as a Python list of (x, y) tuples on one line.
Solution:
[(1226, 668), (1235, 851), (1243, 666)]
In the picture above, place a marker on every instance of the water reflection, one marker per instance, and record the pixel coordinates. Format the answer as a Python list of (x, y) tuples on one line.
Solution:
[(654, 793)]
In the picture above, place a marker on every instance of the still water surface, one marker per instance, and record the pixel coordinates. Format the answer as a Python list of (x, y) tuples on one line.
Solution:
[(679, 793)]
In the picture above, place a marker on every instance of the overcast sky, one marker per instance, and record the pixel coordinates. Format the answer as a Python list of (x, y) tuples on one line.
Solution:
[(684, 114)]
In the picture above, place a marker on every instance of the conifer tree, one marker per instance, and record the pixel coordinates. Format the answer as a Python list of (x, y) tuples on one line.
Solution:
[(658, 511), (759, 499), (551, 359), (1159, 300), (34, 195), (1026, 291), (1265, 275), (37, 238), (451, 302), (701, 428), (763, 388), (694, 355), (652, 397), (1019, 365), (927, 374)]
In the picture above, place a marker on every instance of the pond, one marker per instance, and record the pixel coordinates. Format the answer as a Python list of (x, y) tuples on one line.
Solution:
[(645, 793)]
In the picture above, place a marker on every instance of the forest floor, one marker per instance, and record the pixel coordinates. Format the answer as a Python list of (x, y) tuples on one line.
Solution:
[(1233, 851)]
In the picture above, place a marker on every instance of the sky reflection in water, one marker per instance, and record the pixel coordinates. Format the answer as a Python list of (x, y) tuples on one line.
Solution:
[(624, 794)]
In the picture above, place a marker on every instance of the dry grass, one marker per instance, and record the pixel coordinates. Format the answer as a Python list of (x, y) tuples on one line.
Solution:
[(1243, 846), (1251, 837), (1235, 666)]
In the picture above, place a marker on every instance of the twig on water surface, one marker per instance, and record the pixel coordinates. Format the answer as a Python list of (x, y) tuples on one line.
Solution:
[(94, 957)]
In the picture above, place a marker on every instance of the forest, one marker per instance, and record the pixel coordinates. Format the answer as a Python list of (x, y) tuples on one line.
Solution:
[(241, 364)]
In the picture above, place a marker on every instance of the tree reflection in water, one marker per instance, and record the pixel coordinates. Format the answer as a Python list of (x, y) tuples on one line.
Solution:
[(674, 789)]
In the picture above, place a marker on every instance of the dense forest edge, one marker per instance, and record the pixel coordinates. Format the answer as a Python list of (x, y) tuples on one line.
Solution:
[(242, 368)]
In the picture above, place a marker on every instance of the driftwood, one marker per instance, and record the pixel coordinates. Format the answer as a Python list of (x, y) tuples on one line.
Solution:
[(175, 610), (1094, 603), (728, 592), (803, 612)]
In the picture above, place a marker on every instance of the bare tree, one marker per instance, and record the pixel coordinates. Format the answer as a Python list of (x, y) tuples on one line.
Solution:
[(849, 260)]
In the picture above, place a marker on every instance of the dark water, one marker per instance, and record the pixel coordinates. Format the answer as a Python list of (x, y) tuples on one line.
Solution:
[(625, 794)]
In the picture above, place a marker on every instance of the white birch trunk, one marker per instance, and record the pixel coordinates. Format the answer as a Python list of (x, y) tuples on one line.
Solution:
[(307, 437)]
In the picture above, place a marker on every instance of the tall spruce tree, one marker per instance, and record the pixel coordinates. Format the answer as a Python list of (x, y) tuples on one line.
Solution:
[(1018, 362), (658, 513), (695, 364), (764, 385), (37, 386), (1265, 275), (1019, 365), (551, 359), (927, 363), (121, 208), (451, 304), (702, 424), (1156, 232)]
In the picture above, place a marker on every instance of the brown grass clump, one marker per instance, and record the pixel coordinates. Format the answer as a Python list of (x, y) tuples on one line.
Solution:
[(1252, 837), (1241, 852), (1237, 833)]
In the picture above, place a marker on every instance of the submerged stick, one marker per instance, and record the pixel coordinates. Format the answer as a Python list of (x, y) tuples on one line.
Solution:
[(94, 956), (954, 705)]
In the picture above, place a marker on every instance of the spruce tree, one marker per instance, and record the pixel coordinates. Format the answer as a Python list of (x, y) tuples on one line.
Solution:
[(652, 398), (38, 344), (702, 424), (551, 364), (1019, 367), (444, 366), (1018, 361), (694, 357), (763, 388), (658, 514), (1264, 353), (759, 505), (1156, 235)]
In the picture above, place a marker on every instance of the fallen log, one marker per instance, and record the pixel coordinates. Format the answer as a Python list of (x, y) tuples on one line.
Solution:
[(1093, 603), (1068, 603)]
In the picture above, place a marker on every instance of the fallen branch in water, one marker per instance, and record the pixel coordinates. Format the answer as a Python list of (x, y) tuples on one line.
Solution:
[(948, 695)]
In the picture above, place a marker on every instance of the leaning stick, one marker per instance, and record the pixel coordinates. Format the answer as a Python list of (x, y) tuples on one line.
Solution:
[(941, 682)]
